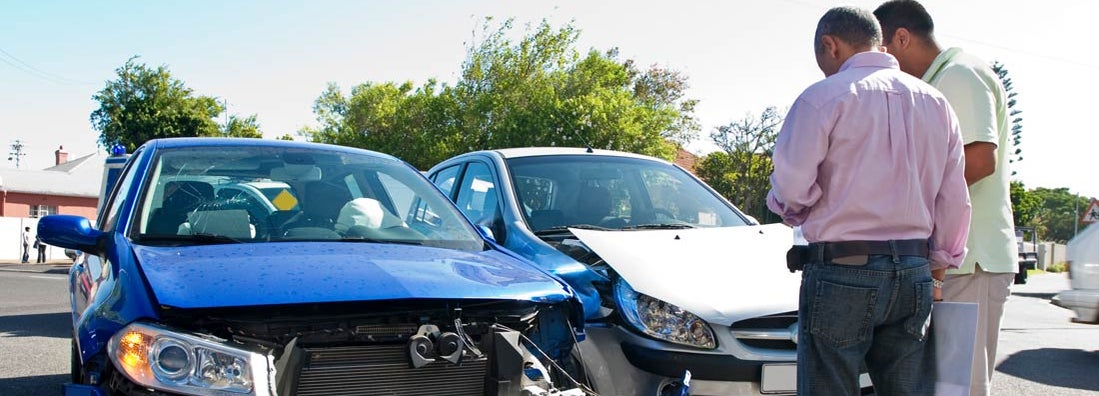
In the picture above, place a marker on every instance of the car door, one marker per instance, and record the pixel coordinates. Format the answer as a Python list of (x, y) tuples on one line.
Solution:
[(472, 186), (90, 271)]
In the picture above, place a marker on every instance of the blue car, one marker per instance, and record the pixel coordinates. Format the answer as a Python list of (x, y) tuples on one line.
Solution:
[(260, 267)]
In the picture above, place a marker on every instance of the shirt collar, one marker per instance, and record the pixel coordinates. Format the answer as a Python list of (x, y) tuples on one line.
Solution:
[(871, 59), (939, 62)]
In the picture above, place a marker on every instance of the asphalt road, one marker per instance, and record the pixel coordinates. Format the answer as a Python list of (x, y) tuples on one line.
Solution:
[(34, 335), (1041, 351)]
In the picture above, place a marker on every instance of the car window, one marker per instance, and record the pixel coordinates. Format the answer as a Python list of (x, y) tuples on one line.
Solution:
[(117, 198), (477, 195), (445, 179), (261, 194), (613, 192)]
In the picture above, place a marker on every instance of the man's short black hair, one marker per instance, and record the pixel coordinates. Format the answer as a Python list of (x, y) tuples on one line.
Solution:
[(908, 14), (852, 25)]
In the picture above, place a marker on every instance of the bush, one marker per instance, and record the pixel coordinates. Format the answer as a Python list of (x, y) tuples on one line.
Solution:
[(1058, 267)]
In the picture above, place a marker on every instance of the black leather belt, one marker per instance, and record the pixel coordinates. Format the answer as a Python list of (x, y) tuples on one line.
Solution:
[(903, 247)]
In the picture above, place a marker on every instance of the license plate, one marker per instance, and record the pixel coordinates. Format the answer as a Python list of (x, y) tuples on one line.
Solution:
[(779, 378)]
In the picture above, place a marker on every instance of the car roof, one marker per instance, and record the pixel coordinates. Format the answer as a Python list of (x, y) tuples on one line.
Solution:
[(253, 142), (520, 152)]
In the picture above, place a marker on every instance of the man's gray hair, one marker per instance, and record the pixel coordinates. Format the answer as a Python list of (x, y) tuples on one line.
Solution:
[(852, 25)]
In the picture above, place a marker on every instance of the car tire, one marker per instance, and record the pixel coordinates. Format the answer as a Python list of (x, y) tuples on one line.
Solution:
[(76, 370)]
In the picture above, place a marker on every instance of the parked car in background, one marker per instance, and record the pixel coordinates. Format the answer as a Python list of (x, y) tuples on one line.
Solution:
[(1083, 272), (261, 267), (673, 277)]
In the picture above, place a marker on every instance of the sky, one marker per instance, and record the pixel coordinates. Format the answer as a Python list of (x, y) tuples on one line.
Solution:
[(273, 58)]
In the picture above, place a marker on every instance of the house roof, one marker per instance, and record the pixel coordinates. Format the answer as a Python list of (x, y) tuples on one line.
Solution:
[(80, 177)]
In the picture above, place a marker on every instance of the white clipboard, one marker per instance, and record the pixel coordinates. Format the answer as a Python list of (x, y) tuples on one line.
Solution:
[(955, 327)]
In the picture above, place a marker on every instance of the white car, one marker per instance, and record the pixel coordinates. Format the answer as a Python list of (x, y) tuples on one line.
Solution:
[(1083, 257), (672, 276)]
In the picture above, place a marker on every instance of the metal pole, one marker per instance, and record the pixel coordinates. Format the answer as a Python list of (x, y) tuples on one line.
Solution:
[(1076, 221)]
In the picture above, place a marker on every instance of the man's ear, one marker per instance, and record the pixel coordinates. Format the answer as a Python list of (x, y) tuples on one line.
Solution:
[(902, 39), (832, 47)]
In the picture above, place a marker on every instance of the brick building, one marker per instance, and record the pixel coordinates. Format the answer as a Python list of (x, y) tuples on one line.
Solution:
[(68, 187)]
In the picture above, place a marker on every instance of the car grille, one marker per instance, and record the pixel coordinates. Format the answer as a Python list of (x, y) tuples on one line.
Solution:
[(775, 332), (385, 370)]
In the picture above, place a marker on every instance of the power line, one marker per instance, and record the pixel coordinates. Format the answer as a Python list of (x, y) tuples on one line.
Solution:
[(1024, 52), (28, 68)]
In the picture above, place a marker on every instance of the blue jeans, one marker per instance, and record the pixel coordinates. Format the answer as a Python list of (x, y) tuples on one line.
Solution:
[(878, 313)]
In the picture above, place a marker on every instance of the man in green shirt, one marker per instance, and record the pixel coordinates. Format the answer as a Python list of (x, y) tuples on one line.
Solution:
[(978, 99)]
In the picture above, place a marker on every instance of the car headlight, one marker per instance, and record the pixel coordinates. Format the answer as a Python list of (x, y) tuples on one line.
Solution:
[(160, 358), (662, 320)]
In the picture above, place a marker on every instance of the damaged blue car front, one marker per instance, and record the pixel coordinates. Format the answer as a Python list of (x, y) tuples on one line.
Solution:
[(350, 274)]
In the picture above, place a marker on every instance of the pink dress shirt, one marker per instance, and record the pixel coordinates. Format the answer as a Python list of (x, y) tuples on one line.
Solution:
[(871, 153)]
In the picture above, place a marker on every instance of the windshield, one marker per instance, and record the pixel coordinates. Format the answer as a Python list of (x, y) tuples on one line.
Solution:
[(272, 194), (613, 193)]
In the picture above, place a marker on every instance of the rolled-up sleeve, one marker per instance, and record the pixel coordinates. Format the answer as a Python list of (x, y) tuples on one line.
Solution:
[(952, 207), (799, 150)]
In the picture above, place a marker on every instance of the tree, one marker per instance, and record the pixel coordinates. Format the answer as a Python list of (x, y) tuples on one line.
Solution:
[(1013, 113), (1025, 205), (741, 171), (1056, 217), (146, 103), (246, 127), (538, 91)]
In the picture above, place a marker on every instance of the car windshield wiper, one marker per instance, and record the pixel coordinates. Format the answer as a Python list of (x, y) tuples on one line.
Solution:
[(665, 226), (562, 229), (199, 238)]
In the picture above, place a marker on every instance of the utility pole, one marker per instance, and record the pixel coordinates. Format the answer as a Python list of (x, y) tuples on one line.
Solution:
[(1076, 220), (16, 154)]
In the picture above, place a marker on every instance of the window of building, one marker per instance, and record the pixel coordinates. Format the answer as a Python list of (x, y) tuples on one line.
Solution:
[(42, 210)]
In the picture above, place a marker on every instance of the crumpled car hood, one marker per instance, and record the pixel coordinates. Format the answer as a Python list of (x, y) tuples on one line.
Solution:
[(238, 275), (721, 274)]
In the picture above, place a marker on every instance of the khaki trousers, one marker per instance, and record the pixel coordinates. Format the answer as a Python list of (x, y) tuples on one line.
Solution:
[(989, 290)]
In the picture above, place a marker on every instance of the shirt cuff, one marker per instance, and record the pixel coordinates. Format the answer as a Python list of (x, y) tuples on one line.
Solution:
[(941, 259)]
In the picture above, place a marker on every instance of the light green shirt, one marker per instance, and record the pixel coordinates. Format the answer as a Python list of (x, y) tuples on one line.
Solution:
[(978, 99)]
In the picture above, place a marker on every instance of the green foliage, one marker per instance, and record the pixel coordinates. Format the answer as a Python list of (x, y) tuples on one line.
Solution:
[(1025, 205), (246, 127), (1058, 267), (286, 136), (741, 171), (1012, 113), (146, 103), (1056, 217), (538, 91)]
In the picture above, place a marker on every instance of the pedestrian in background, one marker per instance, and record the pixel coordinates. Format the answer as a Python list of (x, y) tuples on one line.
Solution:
[(869, 164), (41, 247), (26, 244), (978, 99)]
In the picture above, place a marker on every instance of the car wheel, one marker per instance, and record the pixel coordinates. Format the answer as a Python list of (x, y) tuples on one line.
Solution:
[(76, 370)]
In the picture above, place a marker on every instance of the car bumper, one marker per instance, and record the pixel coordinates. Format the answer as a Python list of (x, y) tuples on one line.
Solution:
[(622, 363), (1084, 302), (82, 390)]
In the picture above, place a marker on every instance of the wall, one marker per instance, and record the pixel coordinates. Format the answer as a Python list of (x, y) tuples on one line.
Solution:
[(11, 244), (18, 204), (1050, 253)]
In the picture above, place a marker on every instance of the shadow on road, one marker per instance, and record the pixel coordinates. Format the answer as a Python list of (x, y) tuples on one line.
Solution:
[(1044, 296), (54, 325), (1075, 368), (37, 385)]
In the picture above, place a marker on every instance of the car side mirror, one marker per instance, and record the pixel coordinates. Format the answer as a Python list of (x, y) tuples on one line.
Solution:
[(69, 232)]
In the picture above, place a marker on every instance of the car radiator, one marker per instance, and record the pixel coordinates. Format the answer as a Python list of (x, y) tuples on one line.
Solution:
[(385, 370)]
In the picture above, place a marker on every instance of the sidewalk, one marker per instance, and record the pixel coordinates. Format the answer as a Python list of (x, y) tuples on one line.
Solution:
[(51, 266)]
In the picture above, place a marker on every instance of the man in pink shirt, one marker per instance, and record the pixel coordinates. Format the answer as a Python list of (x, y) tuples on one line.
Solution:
[(869, 163)]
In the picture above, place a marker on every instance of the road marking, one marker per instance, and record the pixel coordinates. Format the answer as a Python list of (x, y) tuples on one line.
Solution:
[(47, 277)]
